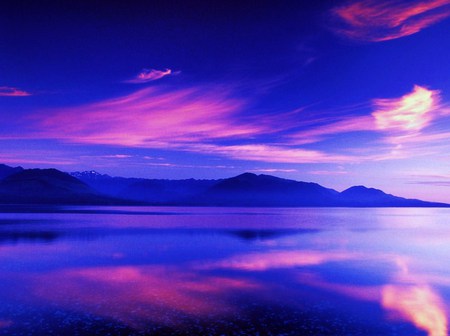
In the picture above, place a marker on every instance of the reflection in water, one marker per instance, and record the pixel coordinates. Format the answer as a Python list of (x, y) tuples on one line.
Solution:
[(279, 271), (418, 304), (137, 295), (412, 301), (37, 236), (281, 259), (5, 323)]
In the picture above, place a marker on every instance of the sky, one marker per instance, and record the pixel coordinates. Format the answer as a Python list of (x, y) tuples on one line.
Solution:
[(340, 93)]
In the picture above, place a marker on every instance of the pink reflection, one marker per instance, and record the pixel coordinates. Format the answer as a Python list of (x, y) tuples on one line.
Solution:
[(408, 294), (281, 259), (135, 295), (375, 21), (418, 304), (5, 323)]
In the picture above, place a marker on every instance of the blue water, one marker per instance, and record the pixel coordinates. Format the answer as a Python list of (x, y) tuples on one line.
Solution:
[(224, 271)]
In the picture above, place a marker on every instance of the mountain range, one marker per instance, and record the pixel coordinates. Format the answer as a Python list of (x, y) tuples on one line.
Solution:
[(51, 186)]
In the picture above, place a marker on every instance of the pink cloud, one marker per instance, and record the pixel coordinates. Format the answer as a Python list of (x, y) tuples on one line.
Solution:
[(149, 75), (213, 121), (149, 118), (117, 156), (192, 120), (328, 172), (6, 91), (273, 153), (397, 121), (411, 112), (375, 21), (273, 170), (334, 126)]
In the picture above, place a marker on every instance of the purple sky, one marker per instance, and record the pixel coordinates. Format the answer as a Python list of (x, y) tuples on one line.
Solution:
[(339, 93)]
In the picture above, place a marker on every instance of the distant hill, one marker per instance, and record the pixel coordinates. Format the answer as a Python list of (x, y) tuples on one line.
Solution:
[(167, 191), (370, 197), (48, 186), (51, 186), (105, 184), (154, 191), (5, 170), (264, 190)]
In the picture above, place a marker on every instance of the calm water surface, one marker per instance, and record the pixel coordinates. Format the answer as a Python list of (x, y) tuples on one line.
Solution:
[(224, 271)]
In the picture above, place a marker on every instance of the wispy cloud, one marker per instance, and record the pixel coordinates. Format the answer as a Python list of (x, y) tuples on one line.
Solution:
[(328, 172), (149, 118), (7, 91), (411, 112), (273, 170), (382, 20), (274, 153), (149, 75), (215, 121), (117, 156), (402, 116), (193, 120)]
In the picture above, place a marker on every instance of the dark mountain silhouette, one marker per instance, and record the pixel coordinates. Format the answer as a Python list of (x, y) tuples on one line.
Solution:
[(105, 184), (264, 190), (154, 191), (166, 191), (51, 186), (370, 197), (48, 186), (5, 170)]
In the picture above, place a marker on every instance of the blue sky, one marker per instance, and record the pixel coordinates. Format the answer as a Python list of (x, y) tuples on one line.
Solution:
[(336, 92)]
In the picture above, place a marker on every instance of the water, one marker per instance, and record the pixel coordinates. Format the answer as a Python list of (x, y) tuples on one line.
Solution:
[(223, 271)]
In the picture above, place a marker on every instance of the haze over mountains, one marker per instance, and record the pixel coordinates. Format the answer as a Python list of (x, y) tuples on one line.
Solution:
[(51, 186)]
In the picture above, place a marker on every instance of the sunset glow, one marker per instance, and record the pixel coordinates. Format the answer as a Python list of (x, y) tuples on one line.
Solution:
[(356, 90)]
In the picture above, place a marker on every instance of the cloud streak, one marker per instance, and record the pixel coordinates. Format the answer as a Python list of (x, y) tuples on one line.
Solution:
[(7, 91), (216, 122), (376, 21), (411, 112), (393, 121), (195, 119), (149, 75)]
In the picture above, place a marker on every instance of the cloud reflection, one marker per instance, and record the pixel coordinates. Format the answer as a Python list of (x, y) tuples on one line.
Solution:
[(408, 294), (5, 323), (280, 259), (418, 304), (136, 295)]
